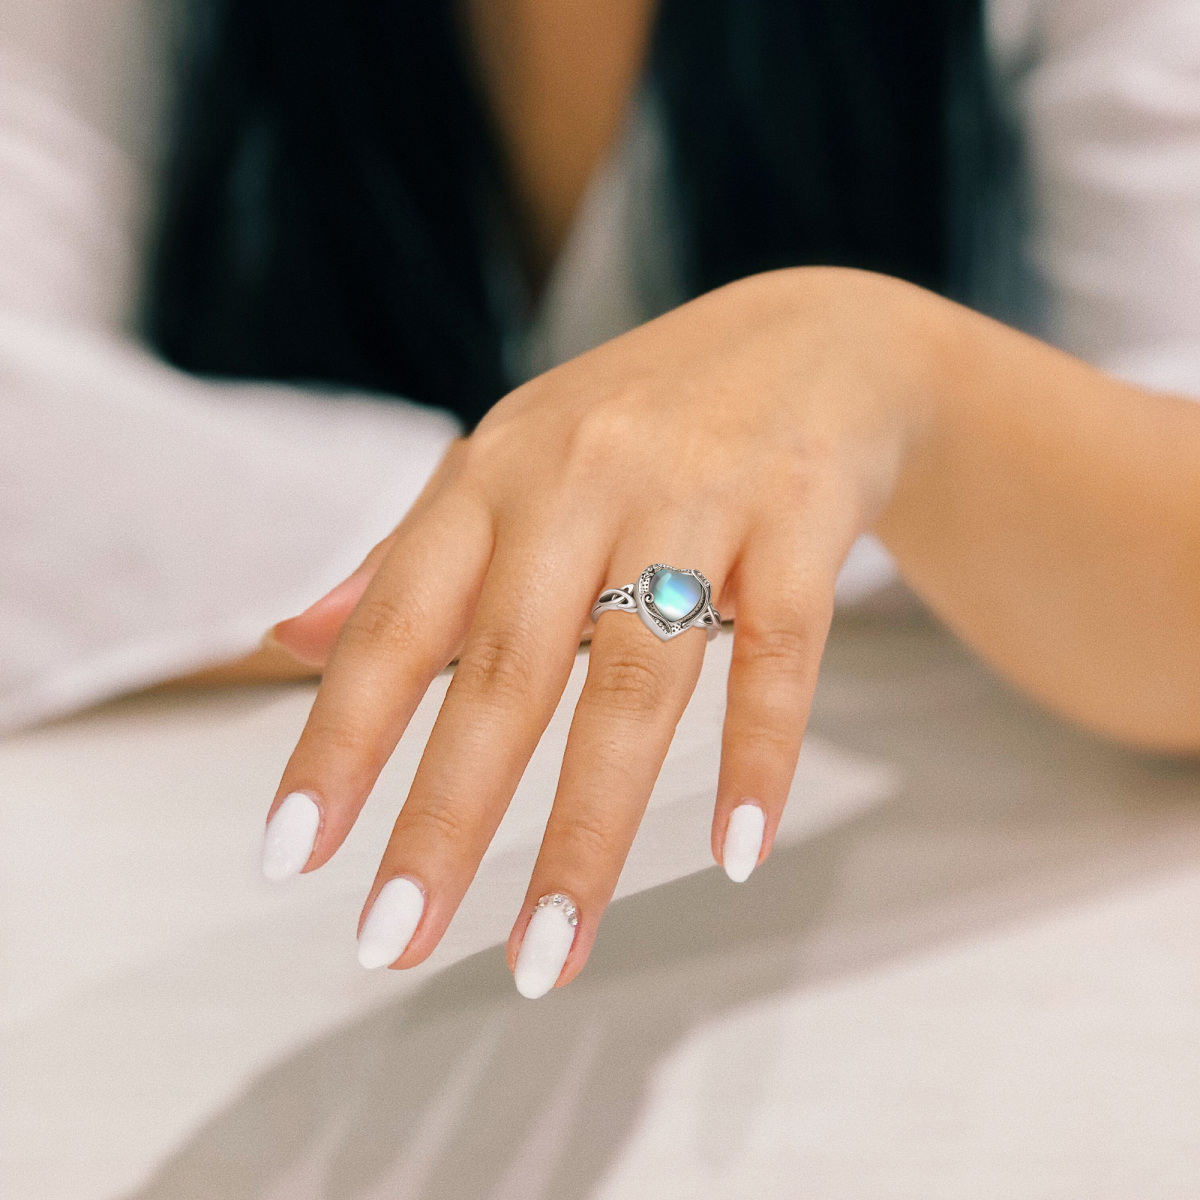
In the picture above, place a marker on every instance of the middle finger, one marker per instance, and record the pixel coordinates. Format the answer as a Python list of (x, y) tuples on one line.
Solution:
[(636, 690)]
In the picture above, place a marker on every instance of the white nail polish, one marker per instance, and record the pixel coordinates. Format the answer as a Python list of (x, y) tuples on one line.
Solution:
[(743, 841), (290, 835), (390, 924), (547, 942)]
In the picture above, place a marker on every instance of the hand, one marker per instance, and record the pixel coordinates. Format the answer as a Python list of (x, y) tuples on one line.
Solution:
[(751, 434)]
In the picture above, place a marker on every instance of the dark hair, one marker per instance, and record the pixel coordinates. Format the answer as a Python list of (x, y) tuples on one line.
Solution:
[(333, 185)]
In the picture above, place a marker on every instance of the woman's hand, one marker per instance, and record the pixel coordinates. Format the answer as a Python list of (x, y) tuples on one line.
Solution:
[(1046, 511), (751, 434)]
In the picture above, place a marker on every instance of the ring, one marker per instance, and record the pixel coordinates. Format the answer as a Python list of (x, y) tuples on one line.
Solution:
[(668, 600)]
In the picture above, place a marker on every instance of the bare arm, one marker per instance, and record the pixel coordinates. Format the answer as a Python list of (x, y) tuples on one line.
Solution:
[(1051, 515)]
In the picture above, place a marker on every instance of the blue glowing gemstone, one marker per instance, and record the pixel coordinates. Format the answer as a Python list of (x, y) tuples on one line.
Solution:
[(675, 594)]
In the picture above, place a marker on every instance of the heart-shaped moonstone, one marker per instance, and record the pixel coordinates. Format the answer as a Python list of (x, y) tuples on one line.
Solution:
[(675, 593)]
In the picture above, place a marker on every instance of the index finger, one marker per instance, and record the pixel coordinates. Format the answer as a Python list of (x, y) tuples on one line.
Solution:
[(404, 630)]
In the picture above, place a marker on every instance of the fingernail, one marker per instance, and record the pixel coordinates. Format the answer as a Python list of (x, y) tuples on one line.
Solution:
[(390, 924), (743, 841), (351, 584), (291, 832), (547, 942)]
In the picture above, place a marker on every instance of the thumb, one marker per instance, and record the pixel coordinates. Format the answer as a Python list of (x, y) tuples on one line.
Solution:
[(309, 637)]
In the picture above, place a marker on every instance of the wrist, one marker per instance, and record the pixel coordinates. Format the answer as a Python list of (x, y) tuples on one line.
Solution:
[(895, 357), (939, 345)]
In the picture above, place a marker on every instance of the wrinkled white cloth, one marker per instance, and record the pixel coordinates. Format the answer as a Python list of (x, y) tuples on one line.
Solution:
[(151, 523)]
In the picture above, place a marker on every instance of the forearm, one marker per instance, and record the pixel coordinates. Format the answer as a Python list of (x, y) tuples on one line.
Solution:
[(1051, 515)]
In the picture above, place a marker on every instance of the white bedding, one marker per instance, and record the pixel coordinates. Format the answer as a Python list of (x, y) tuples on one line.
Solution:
[(970, 971)]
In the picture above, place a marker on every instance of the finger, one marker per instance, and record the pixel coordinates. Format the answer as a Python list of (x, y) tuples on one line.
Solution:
[(403, 631), (511, 673), (636, 690), (784, 583)]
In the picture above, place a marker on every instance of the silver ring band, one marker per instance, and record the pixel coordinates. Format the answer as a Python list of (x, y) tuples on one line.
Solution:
[(669, 601)]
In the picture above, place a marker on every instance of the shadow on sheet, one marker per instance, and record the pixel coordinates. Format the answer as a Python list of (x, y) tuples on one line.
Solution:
[(465, 1090)]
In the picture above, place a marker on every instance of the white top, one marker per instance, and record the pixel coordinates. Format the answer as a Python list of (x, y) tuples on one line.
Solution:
[(151, 523)]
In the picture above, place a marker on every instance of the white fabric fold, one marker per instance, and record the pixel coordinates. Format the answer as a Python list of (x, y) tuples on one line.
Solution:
[(152, 524)]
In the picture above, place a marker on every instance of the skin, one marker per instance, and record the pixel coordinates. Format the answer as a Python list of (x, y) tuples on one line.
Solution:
[(1046, 511), (557, 78)]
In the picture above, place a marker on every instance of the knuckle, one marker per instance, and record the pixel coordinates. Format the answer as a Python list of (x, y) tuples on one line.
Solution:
[(344, 737), (605, 431), (381, 624), (778, 648), (494, 669), (628, 683), (768, 740), (499, 444), (601, 422), (487, 443), (440, 817), (589, 833)]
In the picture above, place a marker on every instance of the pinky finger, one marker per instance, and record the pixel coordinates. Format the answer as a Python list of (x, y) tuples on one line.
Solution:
[(783, 615)]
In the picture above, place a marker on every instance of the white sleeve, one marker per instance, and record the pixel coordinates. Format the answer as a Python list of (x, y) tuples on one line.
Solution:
[(1108, 92), (150, 523)]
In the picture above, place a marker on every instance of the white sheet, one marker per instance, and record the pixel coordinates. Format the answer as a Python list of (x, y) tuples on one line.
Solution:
[(149, 973), (970, 971)]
